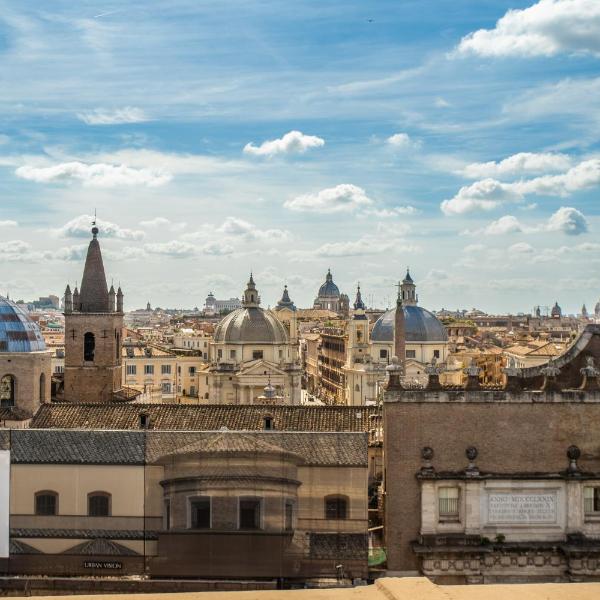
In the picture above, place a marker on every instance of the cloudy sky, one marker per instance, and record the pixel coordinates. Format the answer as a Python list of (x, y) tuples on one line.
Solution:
[(459, 137)]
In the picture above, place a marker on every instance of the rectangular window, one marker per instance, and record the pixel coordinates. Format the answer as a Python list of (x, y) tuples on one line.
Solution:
[(148, 369), (165, 369), (591, 500), (289, 515), (336, 507), (436, 353), (167, 515), (249, 513), (232, 354), (411, 354), (166, 388), (219, 353), (192, 390), (257, 354), (192, 370), (448, 503), (383, 354), (200, 513), (281, 354), (131, 370), (46, 504)]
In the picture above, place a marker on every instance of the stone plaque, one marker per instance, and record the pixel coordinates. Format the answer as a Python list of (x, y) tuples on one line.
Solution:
[(522, 507)]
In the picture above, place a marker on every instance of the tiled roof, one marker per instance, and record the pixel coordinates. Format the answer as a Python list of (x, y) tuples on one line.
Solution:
[(84, 534), (30, 446), (207, 417), (100, 547), (12, 413), (17, 547), (4, 439), (324, 449)]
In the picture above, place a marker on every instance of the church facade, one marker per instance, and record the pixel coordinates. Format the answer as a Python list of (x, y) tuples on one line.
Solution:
[(252, 350)]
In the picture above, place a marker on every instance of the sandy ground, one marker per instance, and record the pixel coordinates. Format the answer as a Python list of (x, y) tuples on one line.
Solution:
[(407, 588)]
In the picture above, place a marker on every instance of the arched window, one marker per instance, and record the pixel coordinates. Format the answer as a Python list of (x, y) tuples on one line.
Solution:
[(118, 347), (89, 346), (42, 388), (336, 507), (46, 503), (99, 504), (7, 390)]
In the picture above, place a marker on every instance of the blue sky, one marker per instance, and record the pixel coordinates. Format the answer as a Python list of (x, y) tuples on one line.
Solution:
[(214, 138)]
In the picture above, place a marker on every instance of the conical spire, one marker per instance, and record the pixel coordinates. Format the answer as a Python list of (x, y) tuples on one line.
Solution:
[(358, 302), (408, 278), (93, 296)]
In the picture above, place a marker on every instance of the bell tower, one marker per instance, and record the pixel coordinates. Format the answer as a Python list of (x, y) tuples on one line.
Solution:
[(93, 328)]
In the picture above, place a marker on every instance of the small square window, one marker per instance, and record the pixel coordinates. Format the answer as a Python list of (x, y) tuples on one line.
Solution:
[(257, 354), (383, 354), (411, 354)]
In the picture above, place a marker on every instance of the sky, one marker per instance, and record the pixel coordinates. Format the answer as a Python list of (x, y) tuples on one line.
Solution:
[(460, 138)]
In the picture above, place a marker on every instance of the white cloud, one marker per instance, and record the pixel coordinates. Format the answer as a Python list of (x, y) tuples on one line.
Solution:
[(394, 211), (504, 225), (293, 142), (364, 246), (521, 248), (183, 249), (96, 175), (341, 198), (163, 223), (568, 220), (441, 103), (402, 141), (547, 28), (490, 193), (518, 164), (81, 226), (486, 194), (174, 249), (16, 251), (67, 253), (8, 223), (235, 227), (99, 116)]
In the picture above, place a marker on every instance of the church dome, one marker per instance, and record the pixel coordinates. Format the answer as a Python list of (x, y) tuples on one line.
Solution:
[(419, 325), (251, 325), (18, 333), (329, 288)]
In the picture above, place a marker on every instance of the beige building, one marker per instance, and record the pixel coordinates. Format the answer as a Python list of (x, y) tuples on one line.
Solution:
[(163, 376), (251, 349), (532, 353), (187, 504)]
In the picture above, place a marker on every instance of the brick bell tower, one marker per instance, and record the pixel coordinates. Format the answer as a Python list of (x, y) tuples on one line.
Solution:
[(93, 328)]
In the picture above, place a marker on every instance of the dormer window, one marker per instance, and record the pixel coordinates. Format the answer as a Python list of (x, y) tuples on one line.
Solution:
[(268, 423)]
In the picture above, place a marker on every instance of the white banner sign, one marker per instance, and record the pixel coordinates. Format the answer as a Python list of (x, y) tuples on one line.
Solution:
[(4, 502), (522, 508)]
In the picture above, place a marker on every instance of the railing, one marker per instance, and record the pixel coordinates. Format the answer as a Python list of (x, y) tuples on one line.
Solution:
[(448, 507)]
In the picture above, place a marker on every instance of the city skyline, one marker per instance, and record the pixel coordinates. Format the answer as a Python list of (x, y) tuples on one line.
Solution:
[(215, 141)]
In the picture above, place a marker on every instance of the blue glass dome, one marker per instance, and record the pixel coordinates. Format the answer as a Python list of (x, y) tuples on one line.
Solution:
[(419, 325), (18, 333)]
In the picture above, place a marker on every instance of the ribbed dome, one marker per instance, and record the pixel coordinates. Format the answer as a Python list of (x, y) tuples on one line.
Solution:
[(18, 333), (419, 325), (329, 288), (251, 325)]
